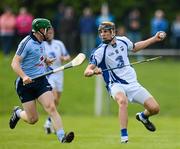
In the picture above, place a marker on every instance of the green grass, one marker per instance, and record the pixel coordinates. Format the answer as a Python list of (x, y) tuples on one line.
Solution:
[(92, 133), (161, 78)]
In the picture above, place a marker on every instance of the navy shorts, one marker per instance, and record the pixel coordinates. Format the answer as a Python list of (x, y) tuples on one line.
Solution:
[(32, 90)]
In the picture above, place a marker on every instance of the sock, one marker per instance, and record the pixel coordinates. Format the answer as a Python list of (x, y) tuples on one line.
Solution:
[(18, 112), (124, 132), (60, 134), (48, 122), (143, 115)]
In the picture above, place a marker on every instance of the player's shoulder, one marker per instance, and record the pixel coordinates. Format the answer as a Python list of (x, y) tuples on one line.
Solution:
[(123, 38), (27, 41), (55, 41), (25, 45), (100, 48)]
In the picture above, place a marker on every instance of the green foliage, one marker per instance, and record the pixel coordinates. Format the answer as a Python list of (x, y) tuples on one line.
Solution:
[(47, 8), (120, 9)]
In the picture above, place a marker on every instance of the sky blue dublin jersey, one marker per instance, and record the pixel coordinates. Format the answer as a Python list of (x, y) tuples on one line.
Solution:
[(33, 55)]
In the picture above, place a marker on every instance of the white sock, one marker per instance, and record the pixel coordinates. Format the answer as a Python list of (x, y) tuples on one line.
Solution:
[(60, 134), (124, 139), (48, 122), (18, 112)]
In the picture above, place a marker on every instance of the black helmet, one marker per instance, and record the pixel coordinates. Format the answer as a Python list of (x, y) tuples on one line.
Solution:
[(106, 26)]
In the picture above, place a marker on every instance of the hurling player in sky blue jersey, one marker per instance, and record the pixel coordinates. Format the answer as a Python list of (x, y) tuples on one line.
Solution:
[(30, 61), (122, 83)]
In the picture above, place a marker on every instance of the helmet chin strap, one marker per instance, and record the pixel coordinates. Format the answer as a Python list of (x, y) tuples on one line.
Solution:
[(45, 39), (109, 41)]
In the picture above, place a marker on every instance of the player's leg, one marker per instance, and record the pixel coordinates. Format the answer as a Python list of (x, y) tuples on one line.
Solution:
[(56, 84), (28, 114), (48, 126), (57, 96), (46, 100), (58, 88), (27, 97), (151, 106), (118, 94), (123, 115)]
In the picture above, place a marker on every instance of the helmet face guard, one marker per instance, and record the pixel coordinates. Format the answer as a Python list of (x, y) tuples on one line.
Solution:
[(110, 26)]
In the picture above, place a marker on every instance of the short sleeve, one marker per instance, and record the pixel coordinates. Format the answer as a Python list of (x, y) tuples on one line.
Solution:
[(62, 47), (130, 44), (96, 57), (22, 49), (64, 51)]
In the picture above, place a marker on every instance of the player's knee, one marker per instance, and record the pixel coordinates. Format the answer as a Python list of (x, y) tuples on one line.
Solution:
[(154, 109), (51, 108), (121, 100), (152, 106), (32, 120)]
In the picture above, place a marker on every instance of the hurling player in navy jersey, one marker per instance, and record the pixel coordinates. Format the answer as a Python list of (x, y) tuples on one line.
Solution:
[(122, 83)]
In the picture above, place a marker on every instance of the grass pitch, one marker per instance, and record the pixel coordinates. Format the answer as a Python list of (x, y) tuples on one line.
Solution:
[(161, 78), (92, 133)]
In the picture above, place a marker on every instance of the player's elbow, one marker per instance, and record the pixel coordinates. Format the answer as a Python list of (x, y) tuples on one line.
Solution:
[(13, 65), (15, 62)]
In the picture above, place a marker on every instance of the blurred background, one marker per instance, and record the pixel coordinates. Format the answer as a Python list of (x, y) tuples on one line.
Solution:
[(75, 23)]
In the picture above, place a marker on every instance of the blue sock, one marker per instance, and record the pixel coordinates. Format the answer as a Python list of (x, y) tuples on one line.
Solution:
[(124, 132), (143, 115), (60, 134)]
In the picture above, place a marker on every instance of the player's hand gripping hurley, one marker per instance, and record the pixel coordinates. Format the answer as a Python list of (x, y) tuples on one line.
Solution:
[(75, 62), (134, 63)]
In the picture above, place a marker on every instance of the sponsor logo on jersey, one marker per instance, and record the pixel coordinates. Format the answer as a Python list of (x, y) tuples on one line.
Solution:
[(111, 54)]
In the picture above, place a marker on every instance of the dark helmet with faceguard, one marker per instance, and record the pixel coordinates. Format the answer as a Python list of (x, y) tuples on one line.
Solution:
[(107, 26)]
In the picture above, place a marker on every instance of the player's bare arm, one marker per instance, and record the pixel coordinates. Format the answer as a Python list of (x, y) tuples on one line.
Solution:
[(145, 43), (17, 68)]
